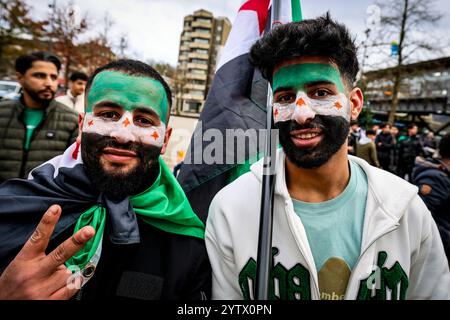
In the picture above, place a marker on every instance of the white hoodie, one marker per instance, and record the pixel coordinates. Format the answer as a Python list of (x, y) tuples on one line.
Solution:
[(399, 235)]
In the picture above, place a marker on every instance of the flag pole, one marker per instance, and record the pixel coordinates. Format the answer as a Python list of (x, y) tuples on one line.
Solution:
[(264, 258)]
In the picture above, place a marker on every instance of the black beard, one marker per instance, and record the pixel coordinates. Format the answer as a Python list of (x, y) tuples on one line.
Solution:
[(335, 132), (119, 185), (35, 96)]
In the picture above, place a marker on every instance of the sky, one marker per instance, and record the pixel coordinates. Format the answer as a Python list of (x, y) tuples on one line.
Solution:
[(153, 27)]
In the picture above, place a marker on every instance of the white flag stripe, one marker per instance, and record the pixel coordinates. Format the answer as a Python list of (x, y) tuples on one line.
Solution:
[(245, 31)]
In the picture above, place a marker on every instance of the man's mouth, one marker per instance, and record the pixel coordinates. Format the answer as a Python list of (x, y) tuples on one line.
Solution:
[(118, 155), (306, 138)]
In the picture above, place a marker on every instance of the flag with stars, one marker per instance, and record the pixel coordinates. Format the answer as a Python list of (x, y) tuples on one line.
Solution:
[(236, 100)]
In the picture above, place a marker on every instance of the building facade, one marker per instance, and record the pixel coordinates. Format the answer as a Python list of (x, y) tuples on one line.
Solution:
[(424, 93), (201, 41)]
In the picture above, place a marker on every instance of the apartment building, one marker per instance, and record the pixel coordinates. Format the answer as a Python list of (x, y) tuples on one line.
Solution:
[(201, 41)]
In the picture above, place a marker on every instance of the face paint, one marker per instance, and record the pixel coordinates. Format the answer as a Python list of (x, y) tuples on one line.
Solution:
[(297, 77), (124, 129), (129, 92), (304, 107)]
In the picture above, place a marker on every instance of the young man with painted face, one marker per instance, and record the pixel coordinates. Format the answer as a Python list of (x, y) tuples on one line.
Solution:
[(134, 234), (342, 229)]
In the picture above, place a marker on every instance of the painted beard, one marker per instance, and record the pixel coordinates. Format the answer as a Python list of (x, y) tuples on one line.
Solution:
[(334, 130), (118, 185), (35, 96)]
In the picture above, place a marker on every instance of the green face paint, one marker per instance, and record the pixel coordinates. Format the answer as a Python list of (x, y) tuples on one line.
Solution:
[(128, 91), (297, 76)]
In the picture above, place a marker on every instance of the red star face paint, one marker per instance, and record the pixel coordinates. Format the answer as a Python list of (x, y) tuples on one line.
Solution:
[(305, 89), (127, 108)]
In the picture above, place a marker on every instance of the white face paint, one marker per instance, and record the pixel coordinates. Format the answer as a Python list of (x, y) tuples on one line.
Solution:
[(124, 129), (304, 108)]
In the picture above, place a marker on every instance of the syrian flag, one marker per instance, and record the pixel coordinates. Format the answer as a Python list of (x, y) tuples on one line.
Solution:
[(63, 180), (237, 100)]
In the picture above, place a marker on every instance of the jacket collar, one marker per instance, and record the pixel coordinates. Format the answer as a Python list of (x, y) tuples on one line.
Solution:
[(389, 193)]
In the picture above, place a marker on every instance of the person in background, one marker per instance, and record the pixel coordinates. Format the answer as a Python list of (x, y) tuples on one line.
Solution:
[(366, 149), (353, 138), (34, 128), (408, 150), (432, 176), (74, 97), (384, 143)]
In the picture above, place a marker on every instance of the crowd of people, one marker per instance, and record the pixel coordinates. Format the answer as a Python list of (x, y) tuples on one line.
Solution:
[(90, 210)]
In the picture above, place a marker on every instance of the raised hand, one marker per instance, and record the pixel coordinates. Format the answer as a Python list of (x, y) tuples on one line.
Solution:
[(33, 274)]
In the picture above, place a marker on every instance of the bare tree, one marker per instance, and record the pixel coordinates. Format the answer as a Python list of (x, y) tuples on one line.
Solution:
[(409, 23), (67, 26), (19, 33)]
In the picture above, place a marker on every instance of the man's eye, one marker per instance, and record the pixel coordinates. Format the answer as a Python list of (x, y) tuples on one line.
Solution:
[(321, 93), (110, 115), (285, 98), (144, 122)]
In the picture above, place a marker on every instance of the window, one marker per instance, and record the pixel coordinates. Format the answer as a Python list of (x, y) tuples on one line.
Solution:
[(200, 30), (202, 20), (197, 40), (199, 61)]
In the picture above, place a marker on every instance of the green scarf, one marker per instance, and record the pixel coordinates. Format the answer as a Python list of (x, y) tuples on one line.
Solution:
[(164, 206)]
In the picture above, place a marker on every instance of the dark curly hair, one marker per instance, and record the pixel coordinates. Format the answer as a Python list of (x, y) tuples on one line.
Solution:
[(313, 37)]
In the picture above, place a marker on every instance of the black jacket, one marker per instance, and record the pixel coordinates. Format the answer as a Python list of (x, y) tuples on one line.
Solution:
[(408, 150), (387, 144), (433, 180), (164, 266)]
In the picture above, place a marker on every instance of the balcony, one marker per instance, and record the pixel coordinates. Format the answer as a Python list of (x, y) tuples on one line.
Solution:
[(195, 55), (201, 24), (195, 76), (197, 66), (194, 45), (192, 86), (191, 97), (201, 35)]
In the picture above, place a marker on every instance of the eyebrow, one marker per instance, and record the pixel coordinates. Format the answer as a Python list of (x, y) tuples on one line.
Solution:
[(319, 82), (108, 104)]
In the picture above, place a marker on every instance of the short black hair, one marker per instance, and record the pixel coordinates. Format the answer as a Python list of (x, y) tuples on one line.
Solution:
[(25, 62), (313, 37), (77, 75), (384, 125), (132, 68), (371, 132), (444, 146), (411, 125)]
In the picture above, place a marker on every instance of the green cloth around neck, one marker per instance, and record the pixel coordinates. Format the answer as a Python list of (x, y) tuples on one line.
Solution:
[(32, 119), (164, 206)]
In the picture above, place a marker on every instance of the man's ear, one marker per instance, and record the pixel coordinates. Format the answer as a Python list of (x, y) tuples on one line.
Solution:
[(356, 102), (19, 77), (166, 139), (80, 127)]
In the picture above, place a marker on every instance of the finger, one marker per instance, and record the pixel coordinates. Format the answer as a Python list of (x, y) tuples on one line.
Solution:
[(69, 289), (68, 248), (55, 282), (38, 241)]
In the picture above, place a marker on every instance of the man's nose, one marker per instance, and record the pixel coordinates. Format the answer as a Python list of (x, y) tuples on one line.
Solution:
[(303, 113), (49, 81), (123, 136)]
